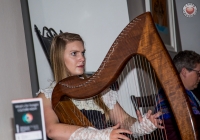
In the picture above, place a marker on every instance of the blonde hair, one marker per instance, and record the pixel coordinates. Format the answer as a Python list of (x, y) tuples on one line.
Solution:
[(60, 70)]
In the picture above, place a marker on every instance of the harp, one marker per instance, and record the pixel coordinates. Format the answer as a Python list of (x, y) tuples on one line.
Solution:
[(139, 37)]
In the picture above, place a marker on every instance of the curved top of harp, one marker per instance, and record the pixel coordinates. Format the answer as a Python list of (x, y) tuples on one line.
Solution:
[(138, 37)]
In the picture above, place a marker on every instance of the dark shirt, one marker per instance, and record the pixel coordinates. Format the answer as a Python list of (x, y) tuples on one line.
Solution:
[(97, 119), (169, 120)]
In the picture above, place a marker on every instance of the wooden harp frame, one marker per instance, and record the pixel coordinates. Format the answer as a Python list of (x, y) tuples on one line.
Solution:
[(138, 37)]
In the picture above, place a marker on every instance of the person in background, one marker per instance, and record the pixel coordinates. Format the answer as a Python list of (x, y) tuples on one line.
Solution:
[(67, 59), (196, 92), (187, 64)]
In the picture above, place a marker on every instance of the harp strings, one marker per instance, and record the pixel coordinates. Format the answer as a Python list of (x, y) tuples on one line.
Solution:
[(143, 83), (149, 86), (138, 79)]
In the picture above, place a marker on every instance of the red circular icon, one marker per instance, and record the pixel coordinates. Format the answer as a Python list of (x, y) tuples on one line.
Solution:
[(189, 10)]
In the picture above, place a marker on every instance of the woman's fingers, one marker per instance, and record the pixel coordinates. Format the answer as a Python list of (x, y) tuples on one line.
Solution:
[(116, 126), (148, 114), (123, 131), (118, 134), (154, 118), (158, 114), (121, 137), (139, 115), (160, 126), (117, 130), (158, 123)]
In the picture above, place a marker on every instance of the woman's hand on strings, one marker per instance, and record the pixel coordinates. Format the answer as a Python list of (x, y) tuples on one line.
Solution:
[(117, 133), (152, 117)]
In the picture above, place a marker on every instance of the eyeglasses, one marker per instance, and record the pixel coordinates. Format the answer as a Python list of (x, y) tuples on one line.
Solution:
[(197, 71)]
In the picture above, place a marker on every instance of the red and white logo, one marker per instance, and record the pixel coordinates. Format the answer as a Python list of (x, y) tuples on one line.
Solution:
[(189, 10)]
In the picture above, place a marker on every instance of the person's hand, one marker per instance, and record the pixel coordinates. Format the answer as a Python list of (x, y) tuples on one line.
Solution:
[(116, 133), (153, 118)]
